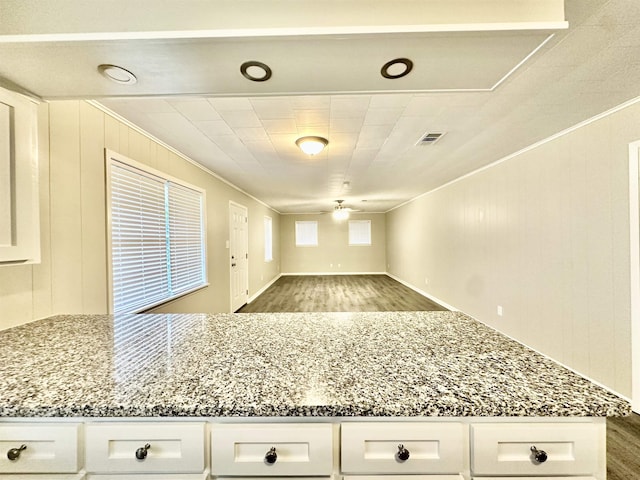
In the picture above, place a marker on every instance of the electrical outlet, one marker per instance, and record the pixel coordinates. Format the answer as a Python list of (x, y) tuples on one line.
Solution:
[(499, 310)]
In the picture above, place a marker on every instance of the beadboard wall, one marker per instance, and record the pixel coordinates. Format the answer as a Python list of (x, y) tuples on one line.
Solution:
[(72, 277), (544, 235)]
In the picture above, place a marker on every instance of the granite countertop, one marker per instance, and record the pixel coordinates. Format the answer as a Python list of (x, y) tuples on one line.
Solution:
[(285, 364)]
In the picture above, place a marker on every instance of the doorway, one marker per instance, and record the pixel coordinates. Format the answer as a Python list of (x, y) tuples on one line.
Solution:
[(238, 255), (634, 257)]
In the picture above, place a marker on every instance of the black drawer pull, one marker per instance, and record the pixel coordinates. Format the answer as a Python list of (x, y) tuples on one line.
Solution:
[(14, 453), (539, 456), (403, 453), (141, 453)]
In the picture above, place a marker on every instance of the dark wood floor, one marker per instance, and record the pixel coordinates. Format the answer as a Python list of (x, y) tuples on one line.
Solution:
[(370, 293), (339, 293)]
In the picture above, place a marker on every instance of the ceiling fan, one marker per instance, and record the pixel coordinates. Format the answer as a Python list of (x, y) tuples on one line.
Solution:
[(340, 212)]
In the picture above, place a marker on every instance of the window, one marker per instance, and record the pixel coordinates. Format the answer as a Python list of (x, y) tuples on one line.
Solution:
[(268, 239), (157, 236), (306, 234), (359, 232)]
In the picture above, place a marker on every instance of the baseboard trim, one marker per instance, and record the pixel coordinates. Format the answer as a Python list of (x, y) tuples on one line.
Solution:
[(289, 274), (262, 290), (423, 293)]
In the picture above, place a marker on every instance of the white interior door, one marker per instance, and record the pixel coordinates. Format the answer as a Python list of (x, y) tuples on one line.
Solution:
[(238, 255)]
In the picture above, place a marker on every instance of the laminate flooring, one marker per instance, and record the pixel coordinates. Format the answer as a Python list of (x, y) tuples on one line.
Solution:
[(339, 293), (623, 448), (372, 293)]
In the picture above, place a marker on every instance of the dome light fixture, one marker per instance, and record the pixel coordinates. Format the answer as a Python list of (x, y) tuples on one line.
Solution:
[(339, 212), (312, 145), (117, 74)]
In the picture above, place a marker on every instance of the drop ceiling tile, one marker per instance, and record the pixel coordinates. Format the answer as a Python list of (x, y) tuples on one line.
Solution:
[(311, 102), (240, 118), (281, 125), (230, 103), (195, 110), (349, 106), (382, 116), (312, 117), (214, 128), (345, 125), (390, 100), (272, 108), (251, 133)]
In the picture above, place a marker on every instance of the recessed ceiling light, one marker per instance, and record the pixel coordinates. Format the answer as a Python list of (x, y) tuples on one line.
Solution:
[(256, 71), (117, 74), (396, 68)]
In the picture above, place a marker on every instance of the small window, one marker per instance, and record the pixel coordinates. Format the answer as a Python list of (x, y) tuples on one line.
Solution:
[(306, 234), (268, 239), (359, 232), (157, 236)]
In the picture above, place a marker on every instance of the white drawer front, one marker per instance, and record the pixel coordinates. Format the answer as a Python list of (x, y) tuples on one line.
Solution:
[(48, 448), (173, 447), (150, 476), (533, 478), (404, 477), (47, 476), (301, 449), (374, 447), (505, 449)]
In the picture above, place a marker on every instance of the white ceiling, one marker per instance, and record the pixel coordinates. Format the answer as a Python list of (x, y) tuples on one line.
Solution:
[(464, 83)]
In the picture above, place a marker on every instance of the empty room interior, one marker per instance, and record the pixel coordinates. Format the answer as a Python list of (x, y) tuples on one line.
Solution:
[(475, 178)]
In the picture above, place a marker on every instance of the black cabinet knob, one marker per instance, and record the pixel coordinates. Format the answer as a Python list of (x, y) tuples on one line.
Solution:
[(141, 453), (14, 453), (539, 456), (271, 456), (403, 453)]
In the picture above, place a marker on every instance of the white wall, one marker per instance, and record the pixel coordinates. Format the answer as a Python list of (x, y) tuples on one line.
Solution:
[(72, 277), (333, 253), (546, 236)]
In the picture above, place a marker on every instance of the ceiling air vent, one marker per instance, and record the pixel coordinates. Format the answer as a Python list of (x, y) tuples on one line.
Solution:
[(430, 138)]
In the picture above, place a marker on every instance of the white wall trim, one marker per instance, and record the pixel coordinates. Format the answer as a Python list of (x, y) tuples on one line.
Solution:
[(423, 293), (290, 274), (562, 133), (135, 127), (634, 262), (263, 289)]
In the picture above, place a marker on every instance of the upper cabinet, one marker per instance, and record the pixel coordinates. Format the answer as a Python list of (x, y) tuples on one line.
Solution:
[(19, 219)]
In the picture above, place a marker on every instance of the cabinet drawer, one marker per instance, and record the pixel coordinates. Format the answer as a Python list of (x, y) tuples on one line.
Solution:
[(405, 477), (301, 449), (48, 448), (150, 476), (533, 478), (172, 447), (506, 449), (375, 447)]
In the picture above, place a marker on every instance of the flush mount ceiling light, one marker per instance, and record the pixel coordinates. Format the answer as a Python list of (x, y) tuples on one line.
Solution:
[(117, 74), (312, 145), (339, 212), (255, 71), (396, 68)]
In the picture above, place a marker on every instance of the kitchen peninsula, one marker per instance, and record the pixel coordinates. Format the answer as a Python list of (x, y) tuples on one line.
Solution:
[(428, 371)]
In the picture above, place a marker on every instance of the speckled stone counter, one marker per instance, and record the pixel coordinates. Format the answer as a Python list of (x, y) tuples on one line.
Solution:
[(288, 364)]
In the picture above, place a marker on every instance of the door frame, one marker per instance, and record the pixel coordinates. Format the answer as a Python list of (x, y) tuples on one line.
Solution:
[(233, 204), (634, 261)]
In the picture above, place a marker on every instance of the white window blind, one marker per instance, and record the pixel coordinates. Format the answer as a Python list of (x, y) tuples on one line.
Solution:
[(157, 238), (268, 239), (359, 232), (306, 234)]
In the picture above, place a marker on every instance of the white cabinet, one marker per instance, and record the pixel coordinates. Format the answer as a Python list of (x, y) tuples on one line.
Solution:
[(560, 448), (19, 218), (272, 449), (160, 448), (407, 448), (39, 448)]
